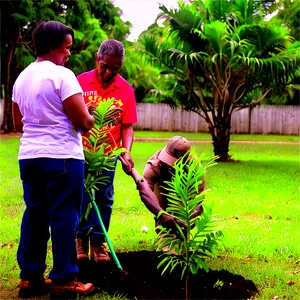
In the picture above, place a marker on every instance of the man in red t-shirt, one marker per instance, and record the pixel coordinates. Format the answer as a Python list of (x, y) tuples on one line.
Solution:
[(98, 85)]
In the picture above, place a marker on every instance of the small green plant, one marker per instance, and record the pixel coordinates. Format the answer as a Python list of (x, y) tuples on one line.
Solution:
[(99, 155), (218, 284), (199, 239)]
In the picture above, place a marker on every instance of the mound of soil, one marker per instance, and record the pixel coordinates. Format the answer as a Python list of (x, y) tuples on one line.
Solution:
[(140, 279)]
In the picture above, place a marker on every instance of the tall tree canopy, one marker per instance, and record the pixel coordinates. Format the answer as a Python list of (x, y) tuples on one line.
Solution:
[(92, 21), (286, 13), (220, 56)]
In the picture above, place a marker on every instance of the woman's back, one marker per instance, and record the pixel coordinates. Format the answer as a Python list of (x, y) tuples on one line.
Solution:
[(48, 132)]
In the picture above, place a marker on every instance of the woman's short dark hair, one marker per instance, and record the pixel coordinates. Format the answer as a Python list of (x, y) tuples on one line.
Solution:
[(49, 35)]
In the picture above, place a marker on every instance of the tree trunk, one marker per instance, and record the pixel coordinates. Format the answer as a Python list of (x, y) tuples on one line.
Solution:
[(8, 125), (221, 137)]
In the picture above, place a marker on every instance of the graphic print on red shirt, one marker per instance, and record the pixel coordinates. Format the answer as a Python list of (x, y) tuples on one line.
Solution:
[(124, 99)]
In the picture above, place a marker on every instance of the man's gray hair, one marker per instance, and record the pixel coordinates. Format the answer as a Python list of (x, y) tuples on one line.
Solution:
[(113, 48)]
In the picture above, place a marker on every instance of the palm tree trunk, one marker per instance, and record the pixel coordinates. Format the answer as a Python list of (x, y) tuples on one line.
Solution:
[(220, 133)]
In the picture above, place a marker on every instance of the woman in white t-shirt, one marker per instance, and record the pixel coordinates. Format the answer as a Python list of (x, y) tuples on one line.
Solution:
[(49, 110)]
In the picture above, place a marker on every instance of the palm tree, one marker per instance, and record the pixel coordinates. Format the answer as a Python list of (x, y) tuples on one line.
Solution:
[(141, 75), (220, 56)]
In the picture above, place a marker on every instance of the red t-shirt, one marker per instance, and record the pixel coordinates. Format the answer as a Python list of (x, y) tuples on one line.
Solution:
[(124, 98)]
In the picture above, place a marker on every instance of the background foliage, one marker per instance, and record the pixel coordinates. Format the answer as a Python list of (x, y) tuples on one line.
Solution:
[(217, 57), (211, 56)]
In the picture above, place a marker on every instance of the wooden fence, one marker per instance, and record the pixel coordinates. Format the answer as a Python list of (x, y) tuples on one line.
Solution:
[(262, 119)]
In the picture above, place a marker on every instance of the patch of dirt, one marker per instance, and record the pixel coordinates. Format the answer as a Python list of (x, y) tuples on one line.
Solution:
[(140, 279)]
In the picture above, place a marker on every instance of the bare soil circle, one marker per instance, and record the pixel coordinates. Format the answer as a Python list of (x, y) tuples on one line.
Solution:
[(140, 279)]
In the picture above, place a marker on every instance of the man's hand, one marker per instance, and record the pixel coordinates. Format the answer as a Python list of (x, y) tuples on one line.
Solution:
[(170, 222), (91, 109), (127, 162)]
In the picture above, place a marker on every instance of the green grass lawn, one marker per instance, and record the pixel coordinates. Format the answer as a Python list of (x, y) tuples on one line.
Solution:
[(256, 199), (207, 137)]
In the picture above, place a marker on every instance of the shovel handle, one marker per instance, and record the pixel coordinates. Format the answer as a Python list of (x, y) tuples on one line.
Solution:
[(110, 246)]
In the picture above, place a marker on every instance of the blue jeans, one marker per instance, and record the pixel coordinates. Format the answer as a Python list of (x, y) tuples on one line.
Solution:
[(53, 191), (104, 199)]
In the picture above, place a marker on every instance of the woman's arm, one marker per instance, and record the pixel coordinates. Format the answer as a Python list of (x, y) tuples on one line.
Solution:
[(78, 112)]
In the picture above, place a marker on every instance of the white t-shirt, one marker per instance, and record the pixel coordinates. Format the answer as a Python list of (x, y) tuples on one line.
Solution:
[(39, 92)]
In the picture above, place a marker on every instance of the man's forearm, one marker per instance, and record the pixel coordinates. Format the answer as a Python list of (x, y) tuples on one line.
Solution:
[(148, 197), (127, 136)]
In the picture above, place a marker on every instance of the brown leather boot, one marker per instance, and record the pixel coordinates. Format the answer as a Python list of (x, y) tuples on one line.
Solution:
[(32, 288), (99, 254), (82, 247), (71, 290)]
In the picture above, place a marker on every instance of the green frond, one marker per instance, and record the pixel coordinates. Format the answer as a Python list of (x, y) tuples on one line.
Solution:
[(18, 18), (194, 268), (201, 263), (217, 34), (163, 261), (183, 196), (23, 56), (98, 156)]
